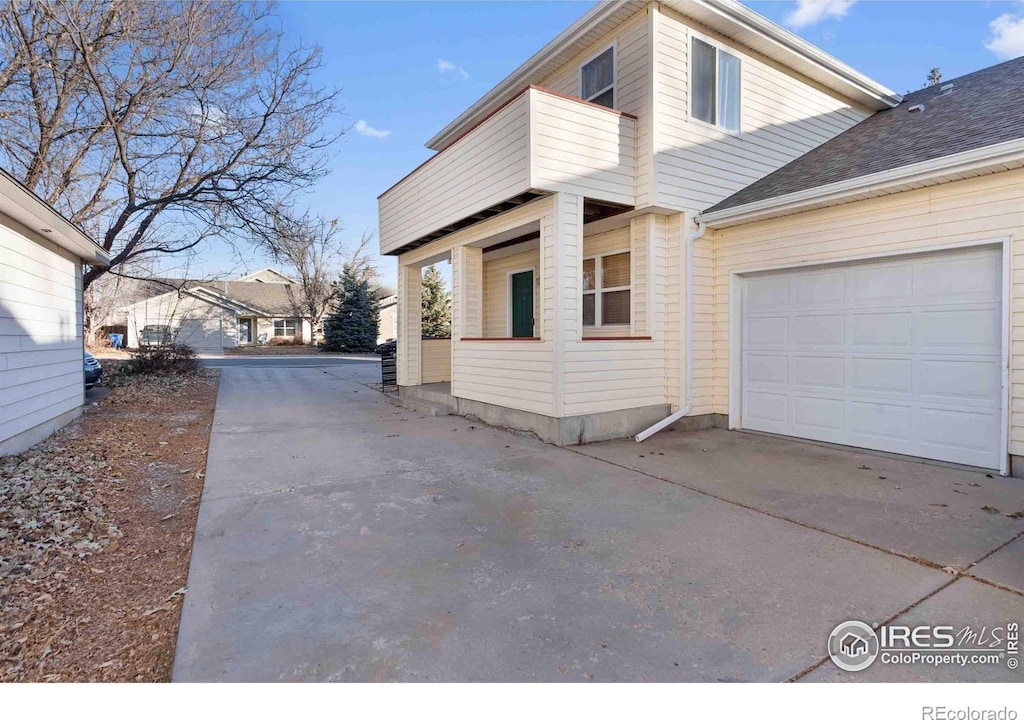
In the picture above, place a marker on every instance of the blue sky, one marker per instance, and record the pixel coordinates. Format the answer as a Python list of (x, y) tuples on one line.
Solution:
[(405, 69)]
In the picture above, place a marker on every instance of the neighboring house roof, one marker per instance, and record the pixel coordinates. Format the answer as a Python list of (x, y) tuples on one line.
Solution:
[(727, 17), (976, 119), (27, 208), (272, 299), (266, 275)]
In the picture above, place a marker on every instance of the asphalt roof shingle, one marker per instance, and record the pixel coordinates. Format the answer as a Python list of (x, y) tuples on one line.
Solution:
[(272, 299), (983, 108)]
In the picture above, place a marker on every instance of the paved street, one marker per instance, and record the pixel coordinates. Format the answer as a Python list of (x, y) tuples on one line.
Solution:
[(341, 538), (290, 361)]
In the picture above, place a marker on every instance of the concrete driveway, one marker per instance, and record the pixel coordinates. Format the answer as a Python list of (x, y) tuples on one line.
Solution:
[(341, 538)]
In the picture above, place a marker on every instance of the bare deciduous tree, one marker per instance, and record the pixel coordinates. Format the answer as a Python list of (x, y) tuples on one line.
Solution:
[(157, 125), (309, 247)]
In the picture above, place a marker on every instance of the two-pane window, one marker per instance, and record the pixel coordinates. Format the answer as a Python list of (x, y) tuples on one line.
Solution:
[(284, 328), (606, 284), (715, 86), (597, 79)]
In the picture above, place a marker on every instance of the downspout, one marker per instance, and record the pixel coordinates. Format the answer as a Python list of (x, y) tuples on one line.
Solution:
[(688, 405)]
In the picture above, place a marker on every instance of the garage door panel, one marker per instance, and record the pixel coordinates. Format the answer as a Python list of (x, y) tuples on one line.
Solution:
[(958, 428), (826, 373), (886, 375), (960, 330), (900, 356), (766, 332), (880, 419), (820, 289), (881, 285), (767, 293), (764, 407), (817, 413), (956, 379), (759, 369), (818, 331), (959, 279), (890, 330)]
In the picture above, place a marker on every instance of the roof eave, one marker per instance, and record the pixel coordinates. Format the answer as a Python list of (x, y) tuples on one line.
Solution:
[(859, 86), (28, 209), (998, 157)]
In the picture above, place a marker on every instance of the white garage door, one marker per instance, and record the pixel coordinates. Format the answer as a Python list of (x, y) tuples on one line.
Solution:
[(201, 335), (902, 356)]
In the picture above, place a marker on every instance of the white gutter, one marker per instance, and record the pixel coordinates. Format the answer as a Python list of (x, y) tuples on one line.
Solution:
[(991, 157), (688, 405)]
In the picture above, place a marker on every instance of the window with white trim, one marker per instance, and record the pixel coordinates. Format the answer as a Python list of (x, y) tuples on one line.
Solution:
[(714, 86), (597, 79), (606, 286), (284, 327)]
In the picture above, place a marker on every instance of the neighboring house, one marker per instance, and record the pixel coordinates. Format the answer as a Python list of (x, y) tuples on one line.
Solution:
[(625, 212), (42, 384), (213, 315), (388, 328)]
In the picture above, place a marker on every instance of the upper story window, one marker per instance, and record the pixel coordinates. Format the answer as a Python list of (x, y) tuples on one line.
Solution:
[(714, 86), (606, 286), (597, 79)]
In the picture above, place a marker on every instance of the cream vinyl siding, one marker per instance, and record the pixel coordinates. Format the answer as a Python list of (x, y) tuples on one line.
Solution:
[(632, 86), (496, 290), (41, 372), (962, 212), (782, 117), (538, 141), (582, 149), (608, 375), (488, 165), (437, 360)]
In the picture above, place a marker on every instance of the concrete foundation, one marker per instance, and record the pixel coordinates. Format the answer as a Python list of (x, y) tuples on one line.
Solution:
[(24, 440), (436, 399)]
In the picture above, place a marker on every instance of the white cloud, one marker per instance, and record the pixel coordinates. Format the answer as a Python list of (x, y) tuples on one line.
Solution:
[(447, 66), (809, 12), (364, 129), (1007, 41)]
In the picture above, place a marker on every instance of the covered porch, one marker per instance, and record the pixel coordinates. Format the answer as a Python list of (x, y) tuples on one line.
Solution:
[(555, 324)]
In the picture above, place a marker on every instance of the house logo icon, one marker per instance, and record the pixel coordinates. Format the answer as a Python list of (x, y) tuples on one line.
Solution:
[(853, 645)]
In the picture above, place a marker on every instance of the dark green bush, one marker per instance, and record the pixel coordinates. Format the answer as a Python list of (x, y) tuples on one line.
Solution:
[(176, 359)]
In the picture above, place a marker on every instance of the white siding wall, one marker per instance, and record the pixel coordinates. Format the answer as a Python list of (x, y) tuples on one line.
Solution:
[(632, 86), (609, 375), (783, 116), (965, 211), (41, 374), (582, 149), (488, 165)]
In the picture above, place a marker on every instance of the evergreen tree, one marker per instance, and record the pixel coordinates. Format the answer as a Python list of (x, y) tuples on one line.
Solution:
[(437, 305), (352, 324), (934, 77)]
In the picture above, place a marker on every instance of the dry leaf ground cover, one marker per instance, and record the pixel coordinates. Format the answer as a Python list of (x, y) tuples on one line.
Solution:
[(96, 528)]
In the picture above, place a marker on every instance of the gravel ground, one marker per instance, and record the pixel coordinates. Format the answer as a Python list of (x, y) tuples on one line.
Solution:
[(96, 528)]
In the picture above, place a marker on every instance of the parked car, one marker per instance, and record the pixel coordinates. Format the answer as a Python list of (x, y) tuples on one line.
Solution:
[(387, 348), (93, 371), (155, 335)]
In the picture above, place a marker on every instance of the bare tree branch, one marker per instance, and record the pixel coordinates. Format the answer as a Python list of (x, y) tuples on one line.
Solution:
[(129, 116)]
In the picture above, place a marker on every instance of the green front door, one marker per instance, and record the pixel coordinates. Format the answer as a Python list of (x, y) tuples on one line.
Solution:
[(522, 304)]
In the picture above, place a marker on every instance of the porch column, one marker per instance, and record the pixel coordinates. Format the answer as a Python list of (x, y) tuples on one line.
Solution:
[(561, 309), (467, 292), (409, 330)]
